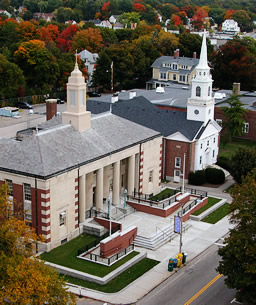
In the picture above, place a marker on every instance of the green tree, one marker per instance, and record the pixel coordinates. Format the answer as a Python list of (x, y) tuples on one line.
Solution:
[(11, 78), (238, 256), (24, 279), (128, 18), (243, 161), (244, 20), (234, 117)]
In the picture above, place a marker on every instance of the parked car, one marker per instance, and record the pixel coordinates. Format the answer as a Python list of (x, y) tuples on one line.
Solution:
[(59, 101), (24, 105), (94, 94)]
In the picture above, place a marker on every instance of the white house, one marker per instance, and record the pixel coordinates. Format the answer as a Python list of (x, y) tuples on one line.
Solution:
[(230, 26), (89, 60)]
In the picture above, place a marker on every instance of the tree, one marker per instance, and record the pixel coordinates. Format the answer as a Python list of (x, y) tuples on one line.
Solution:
[(128, 18), (11, 78), (90, 39), (243, 161), (198, 19), (167, 43), (238, 256), (228, 14), (64, 41), (234, 117), (24, 279), (138, 7), (243, 19), (233, 62)]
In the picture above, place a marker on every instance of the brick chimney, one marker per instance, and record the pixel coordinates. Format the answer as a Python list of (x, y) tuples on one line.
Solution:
[(175, 54), (178, 53), (194, 55), (51, 108), (236, 88)]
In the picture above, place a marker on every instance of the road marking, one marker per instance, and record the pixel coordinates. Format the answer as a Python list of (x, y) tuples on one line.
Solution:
[(203, 289), (234, 300), (219, 245)]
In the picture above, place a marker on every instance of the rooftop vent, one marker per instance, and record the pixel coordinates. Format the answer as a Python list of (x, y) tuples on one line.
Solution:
[(219, 95), (185, 87), (160, 90)]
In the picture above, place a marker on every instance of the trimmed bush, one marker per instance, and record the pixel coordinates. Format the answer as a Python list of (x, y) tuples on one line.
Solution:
[(224, 162), (214, 175), (197, 177)]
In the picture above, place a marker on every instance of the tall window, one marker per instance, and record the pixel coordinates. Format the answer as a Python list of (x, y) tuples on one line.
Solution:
[(72, 97), (219, 121), (150, 176), (175, 67), (10, 187), (177, 162), (27, 191), (209, 91), (62, 218), (200, 161), (246, 128), (198, 91), (174, 77), (163, 75), (213, 153)]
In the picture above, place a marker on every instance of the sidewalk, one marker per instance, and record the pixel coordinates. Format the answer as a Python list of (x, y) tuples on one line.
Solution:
[(196, 239)]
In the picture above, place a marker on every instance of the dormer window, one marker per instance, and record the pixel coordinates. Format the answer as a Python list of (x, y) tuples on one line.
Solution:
[(175, 66), (198, 91)]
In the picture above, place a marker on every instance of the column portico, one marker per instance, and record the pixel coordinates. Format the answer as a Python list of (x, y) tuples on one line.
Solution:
[(116, 183), (99, 189), (82, 198), (131, 174)]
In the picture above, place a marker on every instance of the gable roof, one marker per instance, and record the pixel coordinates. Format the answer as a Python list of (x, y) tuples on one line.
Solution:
[(139, 110), (187, 61), (61, 148)]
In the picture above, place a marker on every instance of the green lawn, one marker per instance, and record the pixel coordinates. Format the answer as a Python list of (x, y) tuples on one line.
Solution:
[(121, 280), (228, 150), (211, 201), (163, 194), (65, 255), (217, 214)]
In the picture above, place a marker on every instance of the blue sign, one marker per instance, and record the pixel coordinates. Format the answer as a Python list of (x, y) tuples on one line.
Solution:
[(176, 224)]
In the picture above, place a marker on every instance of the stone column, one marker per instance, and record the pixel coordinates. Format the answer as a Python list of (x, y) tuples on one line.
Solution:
[(131, 174), (82, 198), (99, 189), (116, 183)]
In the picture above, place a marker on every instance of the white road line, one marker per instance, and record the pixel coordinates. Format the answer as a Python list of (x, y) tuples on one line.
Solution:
[(219, 245)]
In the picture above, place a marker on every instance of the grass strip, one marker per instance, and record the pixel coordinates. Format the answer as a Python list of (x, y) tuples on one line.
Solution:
[(121, 280), (66, 255), (218, 214), (163, 194), (229, 149), (211, 202)]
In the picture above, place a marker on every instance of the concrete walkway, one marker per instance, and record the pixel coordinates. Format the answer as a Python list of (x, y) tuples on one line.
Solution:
[(196, 239)]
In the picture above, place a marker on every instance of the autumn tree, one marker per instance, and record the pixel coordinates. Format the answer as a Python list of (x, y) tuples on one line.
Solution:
[(90, 39), (11, 78), (24, 279), (167, 43), (176, 20), (238, 256), (26, 30), (228, 14), (138, 7), (244, 20), (48, 33), (39, 66), (198, 19), (233, 62), (64, 42), (105, 9)]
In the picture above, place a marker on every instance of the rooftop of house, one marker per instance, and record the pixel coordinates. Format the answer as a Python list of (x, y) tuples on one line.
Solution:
[(58, 147), (186, 61), (139, 110)]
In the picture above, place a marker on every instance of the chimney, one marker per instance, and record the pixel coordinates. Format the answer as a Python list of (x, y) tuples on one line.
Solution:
[(236, 88), (194, 55), (51, 108), (114, 98), (178, 53), (132, 94), (175, 54)]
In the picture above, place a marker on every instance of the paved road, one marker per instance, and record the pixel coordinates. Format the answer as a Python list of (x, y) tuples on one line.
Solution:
[(198, 283)]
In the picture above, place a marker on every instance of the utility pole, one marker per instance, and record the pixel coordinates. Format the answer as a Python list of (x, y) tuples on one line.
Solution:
[(183, 191), (112, 78)]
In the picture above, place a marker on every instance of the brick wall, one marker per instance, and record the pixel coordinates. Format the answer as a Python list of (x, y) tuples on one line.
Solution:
[(203, 203), (172, 108), (105, 223), (119, 242)]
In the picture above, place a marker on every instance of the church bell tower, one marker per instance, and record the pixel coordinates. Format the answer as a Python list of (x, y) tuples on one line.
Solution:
[(76, 113), (200, 106)]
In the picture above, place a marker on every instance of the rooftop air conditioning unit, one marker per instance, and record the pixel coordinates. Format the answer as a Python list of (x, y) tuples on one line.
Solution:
[(160, 90)]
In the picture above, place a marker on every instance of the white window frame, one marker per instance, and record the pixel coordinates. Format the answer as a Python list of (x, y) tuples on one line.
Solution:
[(27, 191), (177, 162), (163, 75), (62, 218), (10, 186), (246, 128)]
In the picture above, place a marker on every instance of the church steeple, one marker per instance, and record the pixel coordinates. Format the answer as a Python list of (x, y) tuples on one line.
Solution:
[(200, 106), (76, 113)]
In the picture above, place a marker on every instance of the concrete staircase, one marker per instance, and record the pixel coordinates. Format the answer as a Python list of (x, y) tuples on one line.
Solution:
[(119, 212), (162, 236)]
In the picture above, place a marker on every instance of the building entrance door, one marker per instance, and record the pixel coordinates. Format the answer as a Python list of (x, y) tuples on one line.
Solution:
[(176, 177)]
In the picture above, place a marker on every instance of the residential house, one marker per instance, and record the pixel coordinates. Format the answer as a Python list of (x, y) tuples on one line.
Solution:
[(230, 26), (89, 60), (45, 16)]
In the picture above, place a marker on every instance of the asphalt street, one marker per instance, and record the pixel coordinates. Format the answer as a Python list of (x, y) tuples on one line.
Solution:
[(197, 283)]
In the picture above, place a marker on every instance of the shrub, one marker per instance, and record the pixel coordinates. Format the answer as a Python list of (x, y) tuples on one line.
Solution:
[(197, 177), (214, 176), (224, 162)]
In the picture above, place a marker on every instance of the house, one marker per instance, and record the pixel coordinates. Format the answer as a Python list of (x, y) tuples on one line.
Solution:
[(230, 26), (89, 60), (70, 164), (5, 12), (190, 135), (113, 19), (103, 23), (168, 69), (118, 26), (45, 16)]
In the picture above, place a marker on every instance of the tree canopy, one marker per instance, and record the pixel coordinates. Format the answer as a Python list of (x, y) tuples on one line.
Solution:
[(238, 256), (24, 279)]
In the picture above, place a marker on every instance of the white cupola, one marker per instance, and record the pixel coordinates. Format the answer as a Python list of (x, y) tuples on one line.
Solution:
[(76, 113), (200, 106)]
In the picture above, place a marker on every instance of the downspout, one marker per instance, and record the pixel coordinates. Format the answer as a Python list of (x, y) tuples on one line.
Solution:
[(139, 169), (78, 194), (36, 210), (163, 158)]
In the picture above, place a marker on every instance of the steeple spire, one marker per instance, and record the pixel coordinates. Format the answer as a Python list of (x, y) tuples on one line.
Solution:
[(203, 62)]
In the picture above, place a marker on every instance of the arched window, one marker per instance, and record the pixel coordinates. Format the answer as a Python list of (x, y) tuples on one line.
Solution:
[(209, 91), (198, 91)]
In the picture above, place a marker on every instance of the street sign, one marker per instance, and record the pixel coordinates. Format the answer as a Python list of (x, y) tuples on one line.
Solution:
[(176, 224)]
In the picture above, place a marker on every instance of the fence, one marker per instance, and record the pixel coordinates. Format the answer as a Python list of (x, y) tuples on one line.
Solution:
[(94, 243), (94, 213), (202, 194), (188, 208), (109, 260)]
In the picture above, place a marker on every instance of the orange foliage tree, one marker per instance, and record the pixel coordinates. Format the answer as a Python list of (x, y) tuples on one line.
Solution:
[(24, 279), (89, 39), (49, 33), (138, 7), (228, 14), (26, 30)]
